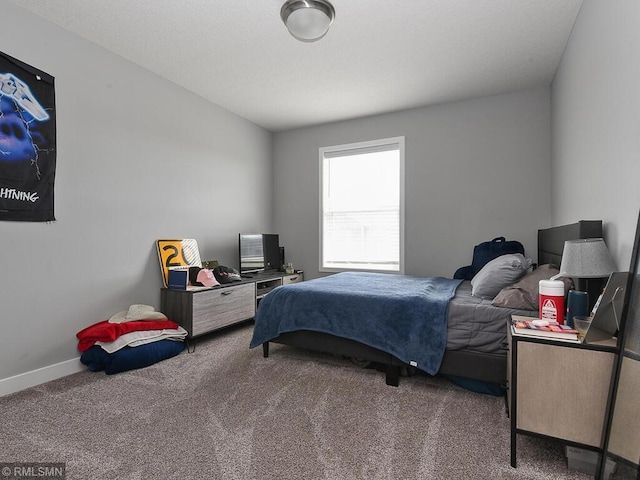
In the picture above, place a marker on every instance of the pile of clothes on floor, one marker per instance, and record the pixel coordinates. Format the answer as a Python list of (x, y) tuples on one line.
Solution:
[(134, 338)]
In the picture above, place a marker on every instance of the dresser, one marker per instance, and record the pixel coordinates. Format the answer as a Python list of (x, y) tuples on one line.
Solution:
[(201, 310)]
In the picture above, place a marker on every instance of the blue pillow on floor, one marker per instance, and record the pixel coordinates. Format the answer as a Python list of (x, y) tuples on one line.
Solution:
[(130, 358)]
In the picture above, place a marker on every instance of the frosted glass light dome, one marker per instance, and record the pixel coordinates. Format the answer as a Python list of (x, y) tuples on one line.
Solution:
[(307, 20)]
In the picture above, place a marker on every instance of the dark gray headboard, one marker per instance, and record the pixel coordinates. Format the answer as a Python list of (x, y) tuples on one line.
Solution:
[(551, 240), (551, 243)]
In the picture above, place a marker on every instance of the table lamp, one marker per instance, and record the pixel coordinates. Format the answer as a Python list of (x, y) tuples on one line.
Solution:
[(584, 259)]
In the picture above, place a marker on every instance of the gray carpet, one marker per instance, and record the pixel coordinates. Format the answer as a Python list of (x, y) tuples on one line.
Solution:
[(225, 412)]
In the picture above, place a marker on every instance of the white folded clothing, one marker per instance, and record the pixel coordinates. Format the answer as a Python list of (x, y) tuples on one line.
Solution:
[(133, 339)]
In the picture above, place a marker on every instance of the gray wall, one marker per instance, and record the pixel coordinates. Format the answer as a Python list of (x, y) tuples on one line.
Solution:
[(138, 159), (596, 123), (474, 170)]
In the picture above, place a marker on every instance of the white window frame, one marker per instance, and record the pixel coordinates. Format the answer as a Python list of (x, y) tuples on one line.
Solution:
[(351, 149)]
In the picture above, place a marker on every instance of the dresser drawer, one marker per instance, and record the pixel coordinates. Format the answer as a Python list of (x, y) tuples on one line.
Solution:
[(213, 309), (294, 278)]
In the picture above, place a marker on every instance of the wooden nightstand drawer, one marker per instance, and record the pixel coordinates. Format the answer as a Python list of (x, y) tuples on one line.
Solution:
[(562, 392)]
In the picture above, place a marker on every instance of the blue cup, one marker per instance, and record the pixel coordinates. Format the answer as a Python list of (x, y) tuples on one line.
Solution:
[(577, 306)]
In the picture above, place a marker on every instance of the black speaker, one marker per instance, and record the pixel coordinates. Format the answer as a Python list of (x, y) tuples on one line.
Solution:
[(271, 247), (281, 259)]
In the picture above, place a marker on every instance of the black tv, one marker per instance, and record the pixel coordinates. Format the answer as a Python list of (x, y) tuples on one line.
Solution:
[(251, 249), (259, 252)]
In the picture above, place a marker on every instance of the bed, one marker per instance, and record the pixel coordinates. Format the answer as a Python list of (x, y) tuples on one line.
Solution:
[(469, 341)]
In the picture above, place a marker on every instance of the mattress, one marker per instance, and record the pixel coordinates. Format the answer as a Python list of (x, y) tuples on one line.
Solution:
[(474, 324)]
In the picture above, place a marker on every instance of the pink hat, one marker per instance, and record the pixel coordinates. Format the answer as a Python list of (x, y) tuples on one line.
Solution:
[(206, 278)]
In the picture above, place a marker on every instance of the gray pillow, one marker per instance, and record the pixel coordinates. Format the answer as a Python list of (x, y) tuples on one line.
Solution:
[(523, 295), (498, 273)]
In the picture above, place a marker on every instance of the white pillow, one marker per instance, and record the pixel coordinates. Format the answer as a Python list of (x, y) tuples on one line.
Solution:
[(499, 273)]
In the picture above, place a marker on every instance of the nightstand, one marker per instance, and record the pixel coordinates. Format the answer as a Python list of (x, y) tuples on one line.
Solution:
[(558, 389)]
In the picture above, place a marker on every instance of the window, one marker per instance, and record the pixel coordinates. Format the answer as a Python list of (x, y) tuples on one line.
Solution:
[(362, 206)]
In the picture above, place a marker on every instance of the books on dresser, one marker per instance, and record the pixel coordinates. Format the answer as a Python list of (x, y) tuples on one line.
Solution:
[(178, 279), (525, 326)]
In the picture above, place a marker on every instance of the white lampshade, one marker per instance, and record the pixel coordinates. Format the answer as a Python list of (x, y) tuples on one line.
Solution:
[(307, 20), (587, 258)]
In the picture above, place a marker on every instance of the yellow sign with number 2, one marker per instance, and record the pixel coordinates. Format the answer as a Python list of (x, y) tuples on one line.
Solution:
[(177, 253)]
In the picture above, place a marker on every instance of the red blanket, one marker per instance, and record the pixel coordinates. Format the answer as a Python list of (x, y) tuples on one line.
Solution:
[(108, 332)]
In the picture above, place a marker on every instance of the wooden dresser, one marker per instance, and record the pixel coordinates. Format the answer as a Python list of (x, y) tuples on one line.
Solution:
[(201, 310)]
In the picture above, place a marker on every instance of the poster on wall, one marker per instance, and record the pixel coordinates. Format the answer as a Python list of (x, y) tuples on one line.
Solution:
[(27, 142)]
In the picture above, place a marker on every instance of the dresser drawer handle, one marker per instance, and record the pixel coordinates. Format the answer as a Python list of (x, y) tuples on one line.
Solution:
[(226, 292), (293, 279)]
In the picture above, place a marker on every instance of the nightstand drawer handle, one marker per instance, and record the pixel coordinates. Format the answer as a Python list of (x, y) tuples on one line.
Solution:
[(226, 293)]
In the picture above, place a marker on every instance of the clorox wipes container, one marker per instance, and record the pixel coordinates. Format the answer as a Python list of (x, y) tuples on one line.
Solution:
[(551, 300)]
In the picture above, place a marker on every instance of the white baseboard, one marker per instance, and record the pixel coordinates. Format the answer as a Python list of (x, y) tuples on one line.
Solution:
[(39, 376)]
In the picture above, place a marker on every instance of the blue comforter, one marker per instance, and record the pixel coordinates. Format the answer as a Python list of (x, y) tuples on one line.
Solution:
[(402, 315)]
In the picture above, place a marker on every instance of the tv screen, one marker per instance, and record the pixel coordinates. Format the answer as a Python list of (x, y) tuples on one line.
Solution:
[(251, 249)]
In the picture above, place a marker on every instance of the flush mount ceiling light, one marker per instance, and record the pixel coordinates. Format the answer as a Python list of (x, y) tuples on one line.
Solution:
[(307, 20)]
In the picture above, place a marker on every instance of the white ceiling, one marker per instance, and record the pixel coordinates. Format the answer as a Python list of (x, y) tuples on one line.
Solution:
[(379, 55)]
